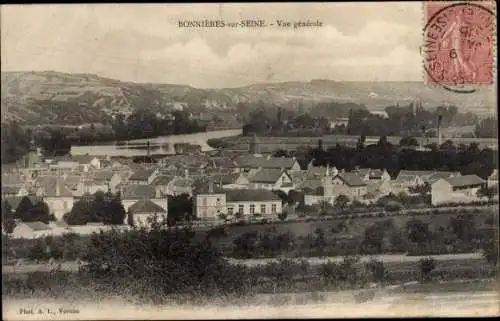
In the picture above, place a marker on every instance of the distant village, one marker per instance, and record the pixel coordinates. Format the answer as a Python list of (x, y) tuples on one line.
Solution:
[(242, 185)]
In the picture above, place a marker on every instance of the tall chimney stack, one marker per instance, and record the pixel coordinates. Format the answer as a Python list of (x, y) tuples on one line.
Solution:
[(440, 119)]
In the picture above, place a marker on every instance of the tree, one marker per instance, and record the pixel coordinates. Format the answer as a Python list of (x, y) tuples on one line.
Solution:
[(490, 247), (408, 141), (488, 192), (341, 202), (114, 211), (417, 231), (38, 213), (426, 266), (180, 208), (282, 216), (463, 226), (79, 214), (8, 222), (24, 208), (377, 270)]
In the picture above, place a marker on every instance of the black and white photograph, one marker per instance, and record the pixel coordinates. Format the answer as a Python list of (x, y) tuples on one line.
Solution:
[(249, 160)]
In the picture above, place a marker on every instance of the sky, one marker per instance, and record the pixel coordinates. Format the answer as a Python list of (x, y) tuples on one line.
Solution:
[(143, 43)]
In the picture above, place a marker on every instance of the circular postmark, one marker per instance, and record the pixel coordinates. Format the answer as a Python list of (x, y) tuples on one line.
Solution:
[(458, 46)]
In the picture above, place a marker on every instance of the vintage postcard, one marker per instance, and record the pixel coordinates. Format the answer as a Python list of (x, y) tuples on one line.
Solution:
[(249, 160)]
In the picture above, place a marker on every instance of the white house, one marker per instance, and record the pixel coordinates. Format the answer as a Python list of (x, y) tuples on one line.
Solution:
[(250, 202), (211, 201), (57, 194), (144, 210), (460, 189), (493, 178), (133, 193), (348, 184)]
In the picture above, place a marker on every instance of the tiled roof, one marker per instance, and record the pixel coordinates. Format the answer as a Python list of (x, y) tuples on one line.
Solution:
[(266, 175), (421, 174), (105, 175), (372, 173), (351, 179), (224, 162), (141, 175), (242, 195), (49, 185), (226, 179), (10, 190), (264, 162), (80, 159), (146, 206), (163, 180), (138, 192), (204, 187), (465, 180), (182, 182), (12, 179), (311, 184), (438, 175)]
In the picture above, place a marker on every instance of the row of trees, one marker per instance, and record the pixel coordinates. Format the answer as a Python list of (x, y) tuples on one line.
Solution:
[(101, 207), (26, 211), (448, 157), (460, 234)]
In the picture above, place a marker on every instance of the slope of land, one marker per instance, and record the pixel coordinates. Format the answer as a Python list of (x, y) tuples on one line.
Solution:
[(78, 98)]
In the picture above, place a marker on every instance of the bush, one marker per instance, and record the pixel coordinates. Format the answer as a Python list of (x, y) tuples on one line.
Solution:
[(393, 206), (426, 266)]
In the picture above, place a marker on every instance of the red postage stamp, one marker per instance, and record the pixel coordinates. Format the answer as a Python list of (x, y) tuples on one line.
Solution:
[(459, 43)]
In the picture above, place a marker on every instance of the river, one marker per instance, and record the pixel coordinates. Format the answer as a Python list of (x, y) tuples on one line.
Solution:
[(158, 145)]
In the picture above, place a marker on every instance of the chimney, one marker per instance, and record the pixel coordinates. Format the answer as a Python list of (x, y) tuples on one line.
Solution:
[(58, 189), (440, 119)]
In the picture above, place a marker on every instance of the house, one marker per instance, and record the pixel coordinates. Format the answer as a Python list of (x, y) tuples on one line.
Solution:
[(408, 179), (87, 162), (11, 190), (143, 176), (57, 193), (180, 185), (253, 201), (493, 178), (232, 180), (348, 184), (133, 193), (161, 184), (144, 210), (212, 201), (271, 179), (460, 189), (30, 230), (103, 180), (314, 196), (247, 162), (373, 175), (92, 186)]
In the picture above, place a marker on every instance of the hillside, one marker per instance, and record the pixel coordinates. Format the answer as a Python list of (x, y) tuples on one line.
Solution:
[(79, 98)]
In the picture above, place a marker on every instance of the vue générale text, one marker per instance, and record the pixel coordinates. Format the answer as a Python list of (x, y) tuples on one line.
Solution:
[(248, 24)]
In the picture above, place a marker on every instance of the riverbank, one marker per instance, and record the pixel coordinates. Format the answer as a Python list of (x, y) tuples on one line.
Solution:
[(269, 144)]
